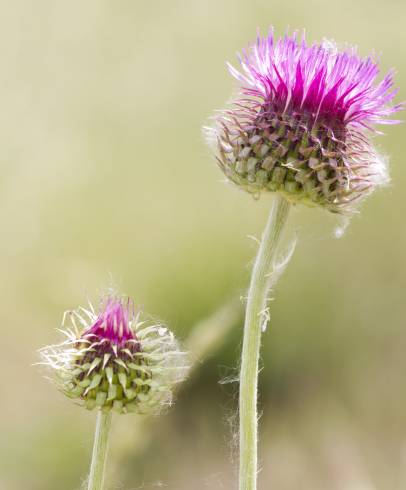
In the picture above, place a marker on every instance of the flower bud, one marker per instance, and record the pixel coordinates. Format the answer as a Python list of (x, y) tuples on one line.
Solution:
[(114, 361)]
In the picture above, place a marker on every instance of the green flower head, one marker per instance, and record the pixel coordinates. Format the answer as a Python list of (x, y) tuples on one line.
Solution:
[(112, 360)]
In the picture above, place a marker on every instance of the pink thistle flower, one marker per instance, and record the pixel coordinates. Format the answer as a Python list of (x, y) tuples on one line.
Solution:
[(112, 360), (302, 122)]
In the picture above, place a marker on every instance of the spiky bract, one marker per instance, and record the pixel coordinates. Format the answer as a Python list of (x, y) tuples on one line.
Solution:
[(114, 361)]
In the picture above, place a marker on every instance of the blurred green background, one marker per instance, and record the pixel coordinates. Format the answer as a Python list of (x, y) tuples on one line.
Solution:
[(105, 173)]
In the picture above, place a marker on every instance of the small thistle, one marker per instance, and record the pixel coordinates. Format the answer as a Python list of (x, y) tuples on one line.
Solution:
[(113, 361), (301, 123)]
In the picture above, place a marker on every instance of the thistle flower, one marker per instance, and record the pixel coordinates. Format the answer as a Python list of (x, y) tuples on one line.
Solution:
[(301, 126), (302, 122), (113, 361)]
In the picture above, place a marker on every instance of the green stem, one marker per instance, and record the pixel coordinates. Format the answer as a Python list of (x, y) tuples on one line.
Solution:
[(255, 318), (96, 475)]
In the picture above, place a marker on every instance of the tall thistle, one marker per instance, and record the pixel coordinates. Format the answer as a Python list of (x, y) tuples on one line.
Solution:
[(113, 361), (301, 126)]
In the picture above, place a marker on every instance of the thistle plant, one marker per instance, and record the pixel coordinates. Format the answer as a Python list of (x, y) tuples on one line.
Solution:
[(301, 127), (113, 361)]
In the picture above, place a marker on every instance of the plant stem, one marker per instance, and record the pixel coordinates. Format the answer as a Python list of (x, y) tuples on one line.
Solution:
[(96, 475), (255, 318)]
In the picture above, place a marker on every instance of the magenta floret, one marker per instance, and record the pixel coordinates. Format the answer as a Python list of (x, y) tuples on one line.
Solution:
[(318, 79), (113, 321)]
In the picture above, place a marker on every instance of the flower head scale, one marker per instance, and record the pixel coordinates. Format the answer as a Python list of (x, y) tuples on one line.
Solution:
[(302, 121), (112, 360)]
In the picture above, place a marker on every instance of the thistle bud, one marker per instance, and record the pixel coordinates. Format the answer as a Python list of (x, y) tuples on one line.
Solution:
[(112, 360), (301, 123)]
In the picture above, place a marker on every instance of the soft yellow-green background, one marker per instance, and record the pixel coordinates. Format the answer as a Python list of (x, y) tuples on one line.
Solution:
[(104, 172)]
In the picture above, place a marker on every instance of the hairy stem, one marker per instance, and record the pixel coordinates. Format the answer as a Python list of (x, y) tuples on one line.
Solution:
[(100, 446), (256, 317)]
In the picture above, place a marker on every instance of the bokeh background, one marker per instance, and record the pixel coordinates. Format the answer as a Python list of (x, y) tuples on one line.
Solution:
[(105, 174)]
